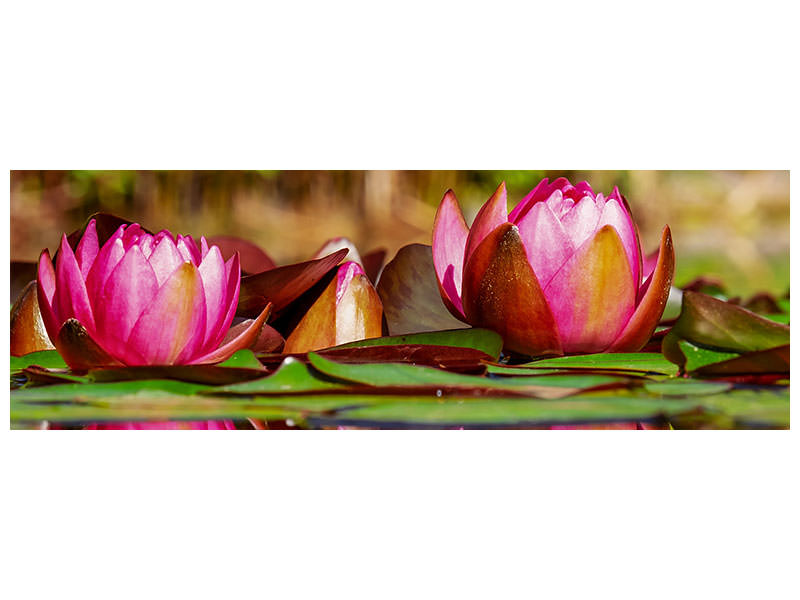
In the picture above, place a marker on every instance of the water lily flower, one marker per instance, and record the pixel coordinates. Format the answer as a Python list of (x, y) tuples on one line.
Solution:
[(560, 274), (349, 309), (142, 299)]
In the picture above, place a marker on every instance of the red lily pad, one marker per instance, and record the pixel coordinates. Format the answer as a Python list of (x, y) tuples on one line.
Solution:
[(410, 294), (283, 285), (451, 358), (205, 374), (251, 257), (373, 262)]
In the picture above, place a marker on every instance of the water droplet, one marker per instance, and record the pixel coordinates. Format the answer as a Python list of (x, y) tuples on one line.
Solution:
[(438, 393)]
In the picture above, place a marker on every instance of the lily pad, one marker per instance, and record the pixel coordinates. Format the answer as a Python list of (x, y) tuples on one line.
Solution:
[(642, 362), (686, 387), (411, 377), (292, 377), (718, 326), (484, 340), (49, 359), (410, 293), (282, 285)]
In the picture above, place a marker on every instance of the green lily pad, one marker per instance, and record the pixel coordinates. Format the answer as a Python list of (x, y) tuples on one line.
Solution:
[(485, 340), (643, 362), (244, 359), (49, 359), (145, 388), (397, 375), (696, 356), (712, 325), (686, 387), (292, 377), (505, 412)]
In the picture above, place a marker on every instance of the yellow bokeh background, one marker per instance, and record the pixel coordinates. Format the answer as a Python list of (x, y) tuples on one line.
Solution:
[(731, 225)]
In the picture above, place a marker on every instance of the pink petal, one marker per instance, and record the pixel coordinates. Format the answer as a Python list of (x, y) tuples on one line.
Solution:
[(491, 215), (203, 246), (559, 204), (215, 283), (652, 299), (46, 290), (593, 295), (87, 249), (107, 258), (129, 289), (344, 275), (71, 299), (581, 221), (615, 215), (146, 244), (238, 337), (188, 249), (165, 259), (541, 192), (547, 245), (173, 325), (578, 191), (449, 242), (231, 301), (132, 234)]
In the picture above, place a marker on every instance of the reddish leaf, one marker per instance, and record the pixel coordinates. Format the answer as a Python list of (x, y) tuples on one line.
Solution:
[(252, 258), (451, 358), (205, 374), (410, 294), (269, 340), (771, 361), (373, 262), (282, 285)]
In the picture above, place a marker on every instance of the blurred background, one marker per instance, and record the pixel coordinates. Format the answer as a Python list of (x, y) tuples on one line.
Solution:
[(731, 225)]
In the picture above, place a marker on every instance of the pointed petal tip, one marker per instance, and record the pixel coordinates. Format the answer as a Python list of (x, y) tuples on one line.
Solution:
[(643, 321)]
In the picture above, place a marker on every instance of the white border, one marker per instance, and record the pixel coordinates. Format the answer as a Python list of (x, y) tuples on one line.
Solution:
[(399, 514)]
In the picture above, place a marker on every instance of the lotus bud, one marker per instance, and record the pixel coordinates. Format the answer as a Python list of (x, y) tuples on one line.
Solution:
[(349, 309), (560, 274)]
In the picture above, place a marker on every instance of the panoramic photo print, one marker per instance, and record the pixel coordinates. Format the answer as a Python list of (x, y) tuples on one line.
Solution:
[(266, 300)]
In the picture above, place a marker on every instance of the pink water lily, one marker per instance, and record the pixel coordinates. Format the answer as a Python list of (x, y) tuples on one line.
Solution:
[(348, 310), (561, 274), (142, 299)]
